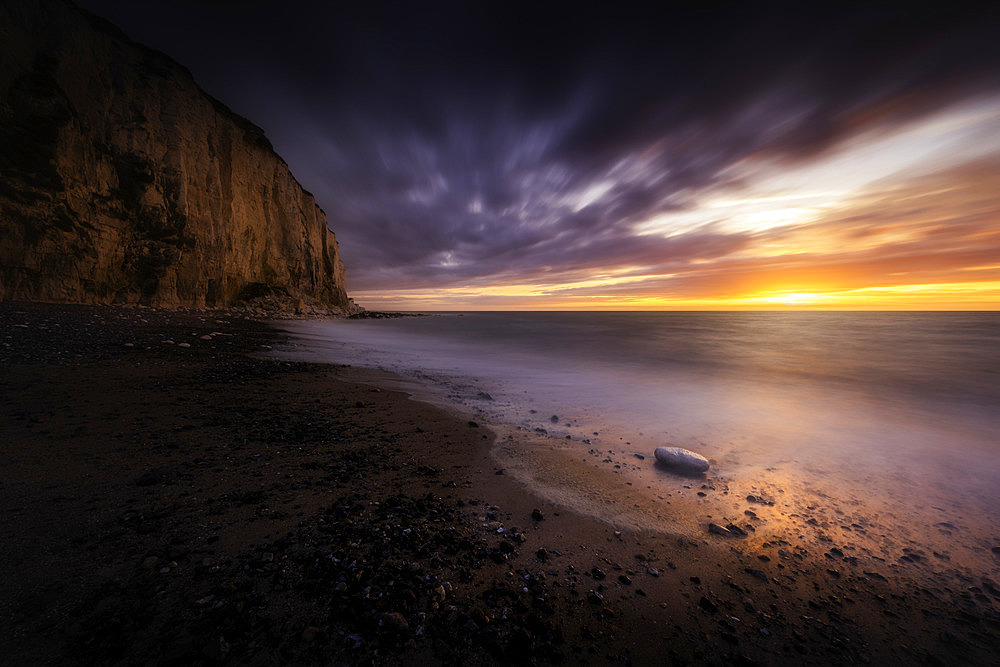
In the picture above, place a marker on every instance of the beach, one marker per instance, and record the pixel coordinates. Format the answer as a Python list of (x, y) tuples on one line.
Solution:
[(175, 493)]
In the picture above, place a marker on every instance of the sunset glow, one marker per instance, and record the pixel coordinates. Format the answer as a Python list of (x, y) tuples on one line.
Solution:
[(910, 221)]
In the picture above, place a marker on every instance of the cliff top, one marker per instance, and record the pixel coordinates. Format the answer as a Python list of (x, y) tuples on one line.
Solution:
[(101, 24)]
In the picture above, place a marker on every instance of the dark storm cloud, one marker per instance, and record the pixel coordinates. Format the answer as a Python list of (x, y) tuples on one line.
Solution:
[(465, 143)]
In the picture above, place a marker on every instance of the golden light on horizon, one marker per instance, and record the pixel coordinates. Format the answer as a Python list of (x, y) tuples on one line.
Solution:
[(796, 299), (902, 219), (943, 296)]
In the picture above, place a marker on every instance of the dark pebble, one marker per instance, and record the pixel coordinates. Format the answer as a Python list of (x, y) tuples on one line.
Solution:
[(736, 530), (394, 621), (717, 529)]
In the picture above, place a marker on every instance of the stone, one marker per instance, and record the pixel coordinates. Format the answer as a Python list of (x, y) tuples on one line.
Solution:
[(717, 529), (735, 530), (681, 459), (311, 633), (394, 621)]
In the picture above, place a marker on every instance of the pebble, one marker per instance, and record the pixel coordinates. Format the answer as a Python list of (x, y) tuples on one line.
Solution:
[(395, 621), (536, 514), (183, 344), (717, 529), (678, 457), (735, 530)]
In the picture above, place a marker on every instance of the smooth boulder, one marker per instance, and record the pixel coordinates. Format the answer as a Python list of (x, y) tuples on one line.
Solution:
[(678, 457)]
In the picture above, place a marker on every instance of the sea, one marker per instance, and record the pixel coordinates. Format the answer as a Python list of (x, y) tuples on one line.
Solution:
[(895, 412)]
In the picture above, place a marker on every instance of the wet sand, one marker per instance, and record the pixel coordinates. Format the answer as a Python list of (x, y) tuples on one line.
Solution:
[(202, 504)]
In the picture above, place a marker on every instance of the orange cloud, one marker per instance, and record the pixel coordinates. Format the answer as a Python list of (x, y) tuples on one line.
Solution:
[(926, 242)]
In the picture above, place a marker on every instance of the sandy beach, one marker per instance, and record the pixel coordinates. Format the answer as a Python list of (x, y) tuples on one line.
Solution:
[(170, 495)]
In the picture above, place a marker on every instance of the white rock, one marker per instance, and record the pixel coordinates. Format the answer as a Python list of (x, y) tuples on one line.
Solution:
[(678, 457)]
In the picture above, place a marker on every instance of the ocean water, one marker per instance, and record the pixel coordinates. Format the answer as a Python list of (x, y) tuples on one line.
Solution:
[(895, 411)]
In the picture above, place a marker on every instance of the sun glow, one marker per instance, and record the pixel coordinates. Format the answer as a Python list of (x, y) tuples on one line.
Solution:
[(902, 219), (796, 299)]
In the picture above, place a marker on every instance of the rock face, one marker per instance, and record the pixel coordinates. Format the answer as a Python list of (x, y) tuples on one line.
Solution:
[(684, 459), (122, 181)]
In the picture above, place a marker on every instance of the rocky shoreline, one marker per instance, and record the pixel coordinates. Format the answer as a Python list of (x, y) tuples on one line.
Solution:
[(171, 497)]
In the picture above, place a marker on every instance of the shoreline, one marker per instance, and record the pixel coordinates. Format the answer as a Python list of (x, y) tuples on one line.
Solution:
[(201, 505)]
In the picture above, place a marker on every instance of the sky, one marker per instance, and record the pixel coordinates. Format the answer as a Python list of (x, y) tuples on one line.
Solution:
[(492, 155)]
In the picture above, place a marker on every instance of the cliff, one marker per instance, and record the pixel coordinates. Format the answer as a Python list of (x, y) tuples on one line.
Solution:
[(122, 181)]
